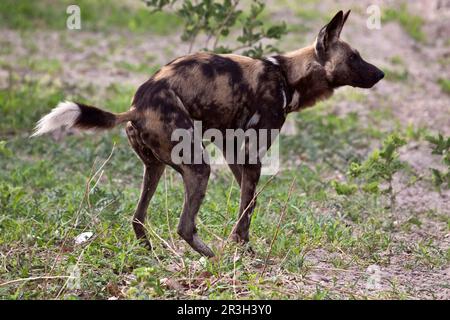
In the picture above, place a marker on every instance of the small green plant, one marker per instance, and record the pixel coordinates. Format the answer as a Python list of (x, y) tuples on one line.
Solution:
[(344, 189), (445, 85), (377, 170), (4, 150), (216, 19), (441, 146), (146, 285), (397, 60), (399, 73), (396, 75)]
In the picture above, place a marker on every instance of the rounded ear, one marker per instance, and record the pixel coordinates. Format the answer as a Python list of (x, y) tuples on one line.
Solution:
[(330, 33)]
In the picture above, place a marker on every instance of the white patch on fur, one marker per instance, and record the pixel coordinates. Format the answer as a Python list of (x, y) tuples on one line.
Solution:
[(273, 60), (64, 114), (181, 104), (253, 120), (284, 99), (315, 47)]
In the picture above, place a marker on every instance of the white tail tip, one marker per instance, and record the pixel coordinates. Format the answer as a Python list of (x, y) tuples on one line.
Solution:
[(64, 114)]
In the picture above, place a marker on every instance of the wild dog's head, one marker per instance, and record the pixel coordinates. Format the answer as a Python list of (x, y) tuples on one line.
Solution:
[(343, 64)]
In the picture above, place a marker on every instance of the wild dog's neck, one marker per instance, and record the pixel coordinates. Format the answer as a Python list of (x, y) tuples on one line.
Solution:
[(306, 77)]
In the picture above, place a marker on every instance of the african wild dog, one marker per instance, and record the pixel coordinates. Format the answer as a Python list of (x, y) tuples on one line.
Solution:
[(223, 91)]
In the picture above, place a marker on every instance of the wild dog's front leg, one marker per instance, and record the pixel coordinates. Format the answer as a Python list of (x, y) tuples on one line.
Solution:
[(250, 177), (236, 169), (231, 153), (250, 171)]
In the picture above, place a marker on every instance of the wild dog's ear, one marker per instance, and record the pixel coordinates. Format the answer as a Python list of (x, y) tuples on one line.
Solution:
[(345, 19), (330, 33)]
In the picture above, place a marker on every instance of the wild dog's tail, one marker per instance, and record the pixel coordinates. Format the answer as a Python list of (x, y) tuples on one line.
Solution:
[(78, 115)]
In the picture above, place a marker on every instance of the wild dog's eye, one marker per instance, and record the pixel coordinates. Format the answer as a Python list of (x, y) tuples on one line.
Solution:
[(353, 56)]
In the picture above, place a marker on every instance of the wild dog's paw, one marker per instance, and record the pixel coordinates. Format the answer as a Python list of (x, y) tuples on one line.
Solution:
[(145, 244), (244, 243)]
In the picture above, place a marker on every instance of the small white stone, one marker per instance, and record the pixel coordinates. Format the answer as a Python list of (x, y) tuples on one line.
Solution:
[(83, 237)]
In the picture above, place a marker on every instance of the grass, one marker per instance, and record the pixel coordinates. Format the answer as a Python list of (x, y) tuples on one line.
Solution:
[(445, 85), (138, 68), (17, 101), (42, 214), (52, 189), (102, 15), (396, 75), (309, 14), (47, 202), (399, 72), (412, 24)]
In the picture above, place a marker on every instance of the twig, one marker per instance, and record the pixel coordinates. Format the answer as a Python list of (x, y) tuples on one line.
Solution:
[(283, 211), (337, 269), (228, 203), (167, 245), (224, 22), (246, 209), (234, 272), (200, 222), (32, 279), (410, 184), (67, 281), (77, 214)]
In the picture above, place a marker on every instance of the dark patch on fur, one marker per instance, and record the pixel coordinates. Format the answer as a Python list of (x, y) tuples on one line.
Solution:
[(148, 93), (92, 117)]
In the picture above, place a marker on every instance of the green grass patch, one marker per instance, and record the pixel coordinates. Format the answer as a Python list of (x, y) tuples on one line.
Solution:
[(412, 24), (445, 85), (22, 104), (324, 136), (44, 210), (309, 14), (145, 68), (397, 60), (52, 191), (102, 15), (396, 75)]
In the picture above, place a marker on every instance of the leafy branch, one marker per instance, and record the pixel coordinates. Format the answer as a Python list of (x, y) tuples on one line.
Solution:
[(216, 20)]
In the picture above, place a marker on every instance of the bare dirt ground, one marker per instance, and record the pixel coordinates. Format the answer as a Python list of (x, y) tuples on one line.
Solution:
[(91, 59)]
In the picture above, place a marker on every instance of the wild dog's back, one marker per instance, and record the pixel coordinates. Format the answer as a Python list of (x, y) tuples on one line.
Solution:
[(221, 90)]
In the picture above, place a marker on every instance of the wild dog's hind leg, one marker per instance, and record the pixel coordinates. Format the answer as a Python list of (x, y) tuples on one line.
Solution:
[(167, 128), (153, 170), (195, 179)]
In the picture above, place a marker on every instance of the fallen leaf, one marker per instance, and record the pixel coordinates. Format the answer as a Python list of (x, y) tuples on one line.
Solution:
[(172, 284)]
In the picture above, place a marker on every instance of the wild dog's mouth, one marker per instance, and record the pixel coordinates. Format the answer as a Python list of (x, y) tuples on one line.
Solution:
[(375, 79), (368, 78)]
